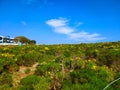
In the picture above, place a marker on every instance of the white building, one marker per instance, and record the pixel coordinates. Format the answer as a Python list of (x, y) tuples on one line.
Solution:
[(7, 40), (1, 39)]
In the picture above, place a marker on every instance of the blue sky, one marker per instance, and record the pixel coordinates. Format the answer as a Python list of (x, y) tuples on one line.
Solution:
[(61, 21)]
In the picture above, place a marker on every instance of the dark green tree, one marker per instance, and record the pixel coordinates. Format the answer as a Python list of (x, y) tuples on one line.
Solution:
[(32, 42), (22, 39)]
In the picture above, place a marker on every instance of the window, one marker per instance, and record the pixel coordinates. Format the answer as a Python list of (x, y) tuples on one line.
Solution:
[(0, 38)]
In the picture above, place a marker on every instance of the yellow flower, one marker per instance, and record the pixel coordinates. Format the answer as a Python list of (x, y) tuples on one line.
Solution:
[(94, 67), (60, 64), (49, 73), (51, 77), (7, 55), (89, 60), (77, 58), (5, 49), (94, 60), (46, 48)]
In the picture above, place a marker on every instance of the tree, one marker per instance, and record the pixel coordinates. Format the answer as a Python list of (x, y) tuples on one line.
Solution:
[(32, 42), (22, 39)]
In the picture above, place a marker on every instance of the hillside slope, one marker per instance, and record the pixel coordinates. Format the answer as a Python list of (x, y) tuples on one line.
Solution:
[(60, 67)]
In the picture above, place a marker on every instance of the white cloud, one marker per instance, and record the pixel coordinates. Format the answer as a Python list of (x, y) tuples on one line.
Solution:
[(85, 36), (57, 22), (64, 30), (61, 26)]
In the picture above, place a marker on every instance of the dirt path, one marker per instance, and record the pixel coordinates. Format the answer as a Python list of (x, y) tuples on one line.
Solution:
[(17, 76)]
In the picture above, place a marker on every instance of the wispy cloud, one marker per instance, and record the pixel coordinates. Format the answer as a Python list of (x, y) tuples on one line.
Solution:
[(85, 36), (23, 23), (61, 22), (64, 30), (78, 24), (61, 26)]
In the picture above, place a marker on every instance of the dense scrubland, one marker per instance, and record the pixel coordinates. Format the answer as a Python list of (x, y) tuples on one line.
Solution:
[(60, 67)]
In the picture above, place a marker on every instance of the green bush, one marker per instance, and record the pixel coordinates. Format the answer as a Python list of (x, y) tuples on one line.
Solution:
[(27, 70), (43, 84), (66, 67), (29, 81), (4, 87), (5, 78)]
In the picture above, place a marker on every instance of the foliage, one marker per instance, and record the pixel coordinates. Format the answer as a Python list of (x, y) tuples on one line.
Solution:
[(62, 67), (24, 40), (5, 79), (27, 70), (28, 82), (32, 42), (5, 87), (43, 84)]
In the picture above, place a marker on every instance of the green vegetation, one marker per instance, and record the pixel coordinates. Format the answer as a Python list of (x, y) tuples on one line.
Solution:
[(27, 70), (61, 67), (24, 40)]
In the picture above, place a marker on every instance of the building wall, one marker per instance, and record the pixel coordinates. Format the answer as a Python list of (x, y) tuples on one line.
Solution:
[(7, 41), (1, 39)]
